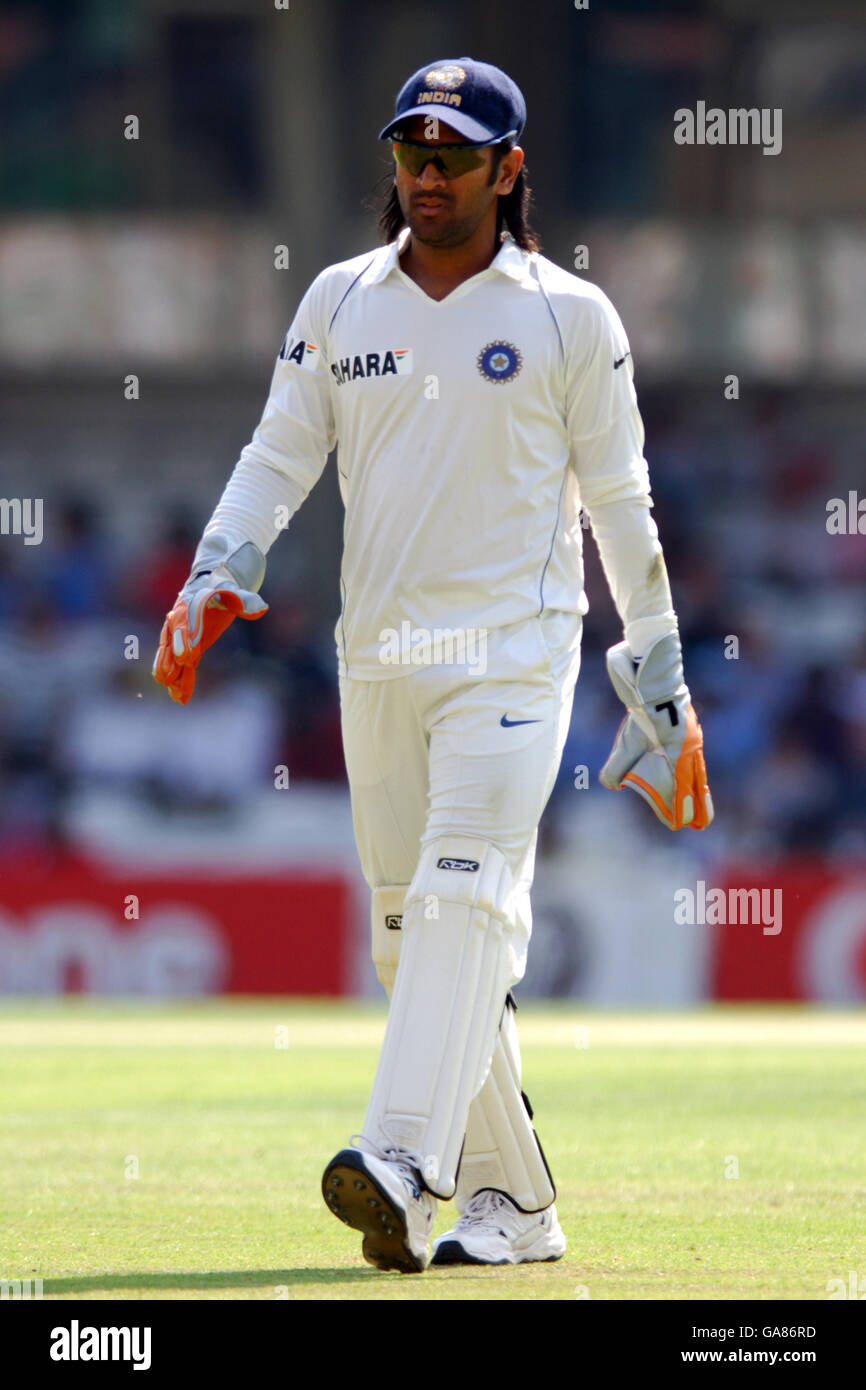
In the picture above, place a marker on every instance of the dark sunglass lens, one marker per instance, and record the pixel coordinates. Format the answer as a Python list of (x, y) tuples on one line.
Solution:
[(450, 161)]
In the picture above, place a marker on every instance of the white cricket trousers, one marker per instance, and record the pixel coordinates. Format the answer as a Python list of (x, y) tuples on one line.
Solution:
[(449, 750)]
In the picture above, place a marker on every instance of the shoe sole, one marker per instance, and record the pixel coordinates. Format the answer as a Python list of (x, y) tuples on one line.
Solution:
[(356, 1199), (451, 1252)]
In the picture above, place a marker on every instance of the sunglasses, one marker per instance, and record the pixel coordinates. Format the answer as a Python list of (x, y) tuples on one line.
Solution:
[(450, 160)]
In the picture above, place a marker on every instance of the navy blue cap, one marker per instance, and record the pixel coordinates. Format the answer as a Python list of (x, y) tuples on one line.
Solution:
[(476, 99)]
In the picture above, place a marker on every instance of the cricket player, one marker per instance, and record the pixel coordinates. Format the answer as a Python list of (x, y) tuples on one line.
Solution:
[(479, 396)]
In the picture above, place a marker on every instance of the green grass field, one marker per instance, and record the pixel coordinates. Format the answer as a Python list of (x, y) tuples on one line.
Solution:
[(645, 1123)]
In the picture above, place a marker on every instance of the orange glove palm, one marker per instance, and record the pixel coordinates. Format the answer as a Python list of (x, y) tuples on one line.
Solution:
[(203, 610)]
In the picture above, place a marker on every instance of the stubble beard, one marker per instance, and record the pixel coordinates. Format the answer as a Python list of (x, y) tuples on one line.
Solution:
[(451, 231)]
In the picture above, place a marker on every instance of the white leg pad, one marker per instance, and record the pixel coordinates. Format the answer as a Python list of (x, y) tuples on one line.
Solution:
[(386, 920), (456, 966), (501, 1149)]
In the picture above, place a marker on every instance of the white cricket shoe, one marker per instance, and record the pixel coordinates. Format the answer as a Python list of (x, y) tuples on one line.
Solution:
[(383, 1198), (493, 1231)]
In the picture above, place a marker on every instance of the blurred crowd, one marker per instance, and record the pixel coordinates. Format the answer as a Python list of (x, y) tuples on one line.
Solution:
[(770, 607)]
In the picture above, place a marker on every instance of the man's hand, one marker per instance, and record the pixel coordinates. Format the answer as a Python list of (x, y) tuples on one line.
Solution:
[(204, 608), (658, 750)]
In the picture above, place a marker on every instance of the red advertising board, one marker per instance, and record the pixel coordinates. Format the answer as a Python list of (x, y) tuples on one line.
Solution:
[(810, 945), (76, 926)]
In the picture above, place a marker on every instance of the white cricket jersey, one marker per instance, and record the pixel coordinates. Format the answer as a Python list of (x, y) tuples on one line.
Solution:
[(470, 431)]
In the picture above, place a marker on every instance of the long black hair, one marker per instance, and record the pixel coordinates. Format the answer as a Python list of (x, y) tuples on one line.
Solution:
[(512, 213)]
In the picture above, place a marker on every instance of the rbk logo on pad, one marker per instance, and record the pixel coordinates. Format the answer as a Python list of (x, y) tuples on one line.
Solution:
[(394, 921), (299, 350), (391, 362), (469, 866)]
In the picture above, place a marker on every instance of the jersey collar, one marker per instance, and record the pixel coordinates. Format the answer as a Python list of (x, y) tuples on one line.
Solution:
[(509, 259)]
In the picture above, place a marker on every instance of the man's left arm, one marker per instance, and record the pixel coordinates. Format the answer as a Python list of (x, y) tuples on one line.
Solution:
[(658, 750)]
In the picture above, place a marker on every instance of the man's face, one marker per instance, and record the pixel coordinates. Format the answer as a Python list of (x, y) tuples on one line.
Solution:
[(446, 212)]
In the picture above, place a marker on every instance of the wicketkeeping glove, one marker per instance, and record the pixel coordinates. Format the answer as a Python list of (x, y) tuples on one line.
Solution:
[(659, 746), (220, 589)]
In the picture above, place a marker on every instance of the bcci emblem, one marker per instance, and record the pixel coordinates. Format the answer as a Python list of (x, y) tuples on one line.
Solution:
[(499, 362), (448, 77)]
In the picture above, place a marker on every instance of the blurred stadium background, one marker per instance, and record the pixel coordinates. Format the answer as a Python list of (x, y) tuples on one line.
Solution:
[(144, 848)]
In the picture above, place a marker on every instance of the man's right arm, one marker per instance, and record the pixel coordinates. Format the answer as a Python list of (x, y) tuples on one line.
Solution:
[(274, 474), (287, 453)]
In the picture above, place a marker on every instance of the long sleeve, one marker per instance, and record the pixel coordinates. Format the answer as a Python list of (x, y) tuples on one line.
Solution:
[(607, 438), (288, 451)]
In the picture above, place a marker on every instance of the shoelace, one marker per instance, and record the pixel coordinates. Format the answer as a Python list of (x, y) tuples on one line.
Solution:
[(407, 1163), (485, 1212)]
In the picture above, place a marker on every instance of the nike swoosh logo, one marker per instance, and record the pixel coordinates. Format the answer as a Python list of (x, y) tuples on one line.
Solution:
[(620, 361), (511, 723)]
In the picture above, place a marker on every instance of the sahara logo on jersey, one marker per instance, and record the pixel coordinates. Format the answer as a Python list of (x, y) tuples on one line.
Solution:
[(299, 350), (391, 362)]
